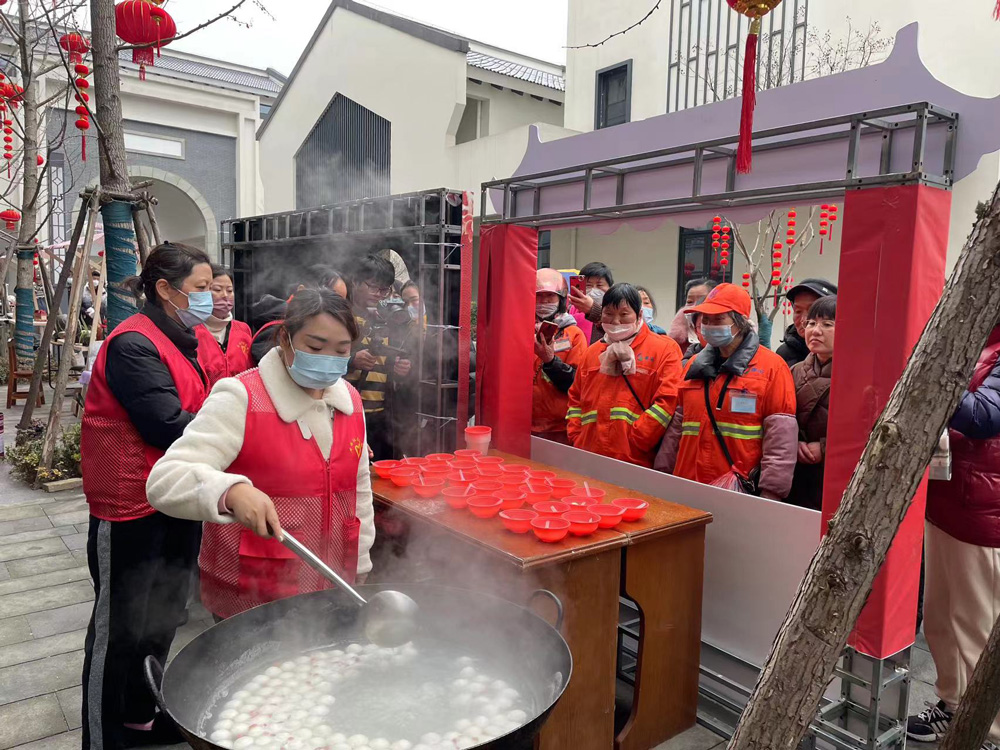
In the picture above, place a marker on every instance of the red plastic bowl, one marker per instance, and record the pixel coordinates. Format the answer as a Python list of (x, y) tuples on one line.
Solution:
[(550, 529), (634, 507), (550, 509), (512, 498), (457, 497), (583, 496), (462, 464), (415, 461), (466, 453), (611, 515), (491, 471), (582, 522), (442, 457), (516, 468), (486, 487), (494, 460), (537, 492), (384, 468), (562, 488), (541, 476), (404, 475), (439, 471), (485, 506), (511, 480), (518, 521), (428, 487), (462, 478)]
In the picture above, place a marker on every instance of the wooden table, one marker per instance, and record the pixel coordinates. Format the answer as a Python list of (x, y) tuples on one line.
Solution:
[(658, 562)]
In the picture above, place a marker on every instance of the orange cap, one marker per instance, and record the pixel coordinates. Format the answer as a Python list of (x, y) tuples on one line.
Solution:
[(723, 299)]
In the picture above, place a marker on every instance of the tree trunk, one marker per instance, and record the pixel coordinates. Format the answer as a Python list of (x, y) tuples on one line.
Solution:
[(121, 253), (765, 327), (24, 337), (981, 702), (842, 571)]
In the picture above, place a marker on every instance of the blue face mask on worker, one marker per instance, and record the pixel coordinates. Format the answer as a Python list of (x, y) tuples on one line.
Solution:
[(717, 336), (648, 315), (199, 309), (317, 370)]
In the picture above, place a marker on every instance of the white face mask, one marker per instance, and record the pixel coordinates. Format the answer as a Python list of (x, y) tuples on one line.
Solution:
[(545, 310), (622, 332), (596, 294)]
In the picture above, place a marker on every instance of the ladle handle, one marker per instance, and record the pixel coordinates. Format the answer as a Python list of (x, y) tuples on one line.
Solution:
[(321, 567), (153, 672), (555, 600)]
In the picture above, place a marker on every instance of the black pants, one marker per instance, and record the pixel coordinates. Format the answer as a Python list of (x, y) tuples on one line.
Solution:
[(142, 575), (378, 424)]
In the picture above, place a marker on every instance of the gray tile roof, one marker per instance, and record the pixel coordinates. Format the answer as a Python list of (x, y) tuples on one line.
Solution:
[(516, 70), (219, 73)]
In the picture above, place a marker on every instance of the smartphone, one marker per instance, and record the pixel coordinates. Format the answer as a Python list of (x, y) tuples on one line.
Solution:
[(548, 329), (579, 283)]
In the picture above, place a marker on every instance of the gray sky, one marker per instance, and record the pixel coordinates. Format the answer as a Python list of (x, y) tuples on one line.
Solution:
[(531, 27)]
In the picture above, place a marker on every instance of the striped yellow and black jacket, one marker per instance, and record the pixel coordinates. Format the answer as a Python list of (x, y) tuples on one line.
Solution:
[(371, 384)]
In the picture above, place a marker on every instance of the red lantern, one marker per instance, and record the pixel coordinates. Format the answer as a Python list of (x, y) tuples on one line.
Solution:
[(724, 262), (82, 83), (83, 125), (716, 236), (792, 214), (746, 276), (81, 69), (777, 255), (715, 245), (778, 246), (40, 160), (746, 284), (143, 23), (11, 217), (83, 111), (76, 45)]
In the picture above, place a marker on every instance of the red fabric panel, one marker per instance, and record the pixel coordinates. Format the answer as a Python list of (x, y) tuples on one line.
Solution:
[(891, 275), (508, 259), (465, 319)]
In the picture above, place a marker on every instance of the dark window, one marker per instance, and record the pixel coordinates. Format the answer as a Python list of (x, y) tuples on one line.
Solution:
[(614, 96), (346, 156), (698, 260), (544, 249)]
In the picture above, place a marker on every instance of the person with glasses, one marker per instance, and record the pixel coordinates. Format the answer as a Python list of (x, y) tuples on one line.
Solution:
[(374, 361)]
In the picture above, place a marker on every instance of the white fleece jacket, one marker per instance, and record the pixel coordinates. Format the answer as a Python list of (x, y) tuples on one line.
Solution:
[(188, 481)]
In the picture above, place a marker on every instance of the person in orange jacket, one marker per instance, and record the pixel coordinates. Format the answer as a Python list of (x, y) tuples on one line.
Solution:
[(625, 392), (558, 355), (752, 397)]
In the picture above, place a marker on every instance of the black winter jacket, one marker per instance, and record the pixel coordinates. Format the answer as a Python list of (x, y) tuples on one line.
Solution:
[(143, 384), (793, 348)]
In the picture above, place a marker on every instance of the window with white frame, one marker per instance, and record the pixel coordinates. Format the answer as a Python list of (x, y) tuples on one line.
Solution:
[(155, 145)]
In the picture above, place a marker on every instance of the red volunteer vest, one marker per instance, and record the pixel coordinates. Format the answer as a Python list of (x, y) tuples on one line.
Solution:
[(316, 500), (115, 461), (219, 364)]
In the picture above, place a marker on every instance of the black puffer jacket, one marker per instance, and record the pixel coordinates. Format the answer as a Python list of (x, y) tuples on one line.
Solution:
[(793, 347), (141, 382)]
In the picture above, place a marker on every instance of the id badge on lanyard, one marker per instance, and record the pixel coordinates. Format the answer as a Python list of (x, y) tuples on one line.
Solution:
[(742, 402)]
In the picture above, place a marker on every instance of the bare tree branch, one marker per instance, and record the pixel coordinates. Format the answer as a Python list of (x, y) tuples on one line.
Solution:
[(207, 23)]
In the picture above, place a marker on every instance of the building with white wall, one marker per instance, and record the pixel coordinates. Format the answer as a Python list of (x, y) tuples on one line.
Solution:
[(190, 127), (685, 55), (381, 104)]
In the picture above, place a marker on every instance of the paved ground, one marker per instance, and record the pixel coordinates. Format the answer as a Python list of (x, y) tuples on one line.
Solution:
[(45, 602)]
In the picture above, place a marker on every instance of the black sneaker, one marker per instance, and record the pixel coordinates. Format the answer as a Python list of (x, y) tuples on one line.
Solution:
[(930, 724)]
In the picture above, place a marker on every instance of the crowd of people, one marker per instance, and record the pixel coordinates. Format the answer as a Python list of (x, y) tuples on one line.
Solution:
[(703, 399)]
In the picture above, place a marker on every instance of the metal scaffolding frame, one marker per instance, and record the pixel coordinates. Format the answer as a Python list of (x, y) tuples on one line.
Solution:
[(430, 223), (886, 123)]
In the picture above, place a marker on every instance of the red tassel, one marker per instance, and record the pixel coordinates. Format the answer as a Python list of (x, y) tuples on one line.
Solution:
[(996, 11), (744, 152), (142, 72), (820, 245), (83, 147)]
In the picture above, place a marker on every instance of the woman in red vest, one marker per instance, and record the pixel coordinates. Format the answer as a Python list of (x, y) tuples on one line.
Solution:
[(223, 343), (145, 388), (285, 441)]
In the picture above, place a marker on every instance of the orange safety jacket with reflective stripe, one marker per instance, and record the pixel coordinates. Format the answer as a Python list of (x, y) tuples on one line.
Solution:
[(604, 416), (763, 392), (549, 404)]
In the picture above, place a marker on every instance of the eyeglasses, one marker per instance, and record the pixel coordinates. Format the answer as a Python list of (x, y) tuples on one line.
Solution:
[(378, 291)]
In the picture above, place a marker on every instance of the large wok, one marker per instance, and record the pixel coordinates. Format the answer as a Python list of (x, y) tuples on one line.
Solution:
[(488, 627)]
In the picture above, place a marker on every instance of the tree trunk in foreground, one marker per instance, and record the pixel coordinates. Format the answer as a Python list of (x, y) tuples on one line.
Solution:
[(121, 253), (840, 576), (981, 702)]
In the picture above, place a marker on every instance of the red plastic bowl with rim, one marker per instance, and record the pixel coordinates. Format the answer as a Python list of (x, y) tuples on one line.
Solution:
[(582, 522), (486, 486), (512, 498), (516, 468), (428, 487), (457, 497), (511, 480), (485, 506), (445, 457), (436, 470), (537, 492), (635, 508), (611, 515), (518, 521), (490, 470), (583, 496), (551, 509), (550, 529), (404, 475), (462, 478), (562, 488), (466, 453), (463, 464), (415, 461), (541, 476), (384, 468)]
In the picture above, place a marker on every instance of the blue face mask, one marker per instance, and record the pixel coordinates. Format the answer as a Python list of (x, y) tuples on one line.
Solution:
[(318, 371), (717, 336), (199, 309), (648, 315)]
